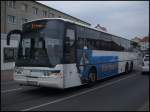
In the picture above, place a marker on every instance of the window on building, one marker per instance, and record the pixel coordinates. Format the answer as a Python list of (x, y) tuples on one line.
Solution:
[(11, 19), (24, 7), (44, 13), (23, 20), (11, 4), (35, 10), (51, 15), (10, 54)]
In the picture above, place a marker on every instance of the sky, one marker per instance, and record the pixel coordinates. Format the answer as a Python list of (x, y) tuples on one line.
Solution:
[(127, 19)]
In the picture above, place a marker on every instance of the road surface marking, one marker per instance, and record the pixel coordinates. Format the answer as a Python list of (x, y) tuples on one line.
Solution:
[(6, 83), (5, 91), (65, 98)]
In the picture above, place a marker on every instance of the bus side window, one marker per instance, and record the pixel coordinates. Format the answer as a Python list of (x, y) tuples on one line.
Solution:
[(97, 44), (80, 43)]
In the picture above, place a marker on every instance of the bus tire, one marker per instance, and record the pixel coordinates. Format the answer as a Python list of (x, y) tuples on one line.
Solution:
[(126, 68), (92, 75), (131, 66)]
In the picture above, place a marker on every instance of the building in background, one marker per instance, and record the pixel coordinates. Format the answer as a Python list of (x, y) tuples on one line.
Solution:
[(136, 39), (14, 14), (8, 53), (137, 43), (144, 44)]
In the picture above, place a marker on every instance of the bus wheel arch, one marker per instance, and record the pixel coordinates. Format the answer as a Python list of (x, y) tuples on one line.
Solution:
[(92, 75), (126, 67)]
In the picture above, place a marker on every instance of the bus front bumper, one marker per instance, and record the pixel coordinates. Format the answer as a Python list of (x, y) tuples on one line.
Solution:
[(54, 82)]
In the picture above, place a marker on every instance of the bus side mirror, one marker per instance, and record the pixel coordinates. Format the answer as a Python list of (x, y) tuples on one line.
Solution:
[(13, 32), (8, 39)]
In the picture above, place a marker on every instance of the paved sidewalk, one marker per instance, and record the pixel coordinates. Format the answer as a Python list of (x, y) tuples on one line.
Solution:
[(6, 75), (145, 107)]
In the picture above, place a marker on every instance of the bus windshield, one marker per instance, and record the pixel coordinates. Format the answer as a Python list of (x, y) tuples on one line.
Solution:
[(41, 44)]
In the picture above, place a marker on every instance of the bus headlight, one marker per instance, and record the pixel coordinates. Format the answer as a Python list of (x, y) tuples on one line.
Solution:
[(54, 74)]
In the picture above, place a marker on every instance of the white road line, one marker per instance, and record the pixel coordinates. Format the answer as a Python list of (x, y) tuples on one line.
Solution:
[(5, 91), (65, 98)]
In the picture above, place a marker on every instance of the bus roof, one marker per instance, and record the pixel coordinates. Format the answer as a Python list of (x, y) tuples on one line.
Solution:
[(70, 21)]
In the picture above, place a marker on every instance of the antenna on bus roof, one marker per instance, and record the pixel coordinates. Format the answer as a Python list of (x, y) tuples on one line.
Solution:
[(100, 28)]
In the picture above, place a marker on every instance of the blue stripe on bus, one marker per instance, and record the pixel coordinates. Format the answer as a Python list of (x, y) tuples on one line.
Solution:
[(106, 65)]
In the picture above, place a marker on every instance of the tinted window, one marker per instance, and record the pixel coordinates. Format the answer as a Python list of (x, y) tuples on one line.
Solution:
[(97, 40), (55, 29), (69, 43), (41, 44)]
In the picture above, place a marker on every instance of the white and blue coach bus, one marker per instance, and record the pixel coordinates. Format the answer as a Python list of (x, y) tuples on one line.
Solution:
[(61, 53)]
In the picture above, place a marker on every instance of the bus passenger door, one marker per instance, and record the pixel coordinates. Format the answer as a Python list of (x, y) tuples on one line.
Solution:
[(71, 76)]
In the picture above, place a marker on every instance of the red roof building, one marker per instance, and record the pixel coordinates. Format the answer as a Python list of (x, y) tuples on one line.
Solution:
[(144, 43), (145, 39)]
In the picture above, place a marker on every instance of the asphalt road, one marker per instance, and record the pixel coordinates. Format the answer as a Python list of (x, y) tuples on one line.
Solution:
[(129, 92)]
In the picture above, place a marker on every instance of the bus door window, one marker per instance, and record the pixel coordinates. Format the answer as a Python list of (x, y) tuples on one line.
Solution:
[(71, 35), (70, 45)]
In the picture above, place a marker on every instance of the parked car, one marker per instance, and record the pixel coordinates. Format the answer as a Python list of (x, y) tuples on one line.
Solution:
[(145, 64)]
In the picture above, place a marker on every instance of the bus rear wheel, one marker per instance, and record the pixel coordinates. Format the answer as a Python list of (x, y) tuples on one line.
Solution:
[(131, 67), (126, 68)]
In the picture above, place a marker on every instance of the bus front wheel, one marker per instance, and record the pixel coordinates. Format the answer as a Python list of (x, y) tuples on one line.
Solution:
[(92, 76)]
